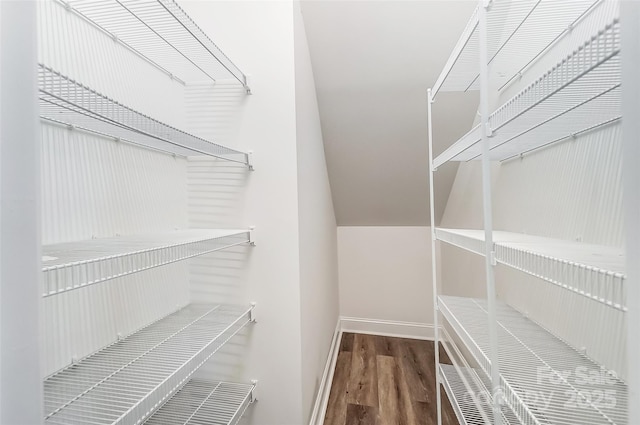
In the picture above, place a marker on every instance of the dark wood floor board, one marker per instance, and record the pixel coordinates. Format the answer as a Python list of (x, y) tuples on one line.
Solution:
[(384, 346), (388, 390), (346, 343), (386, 381), (448, 414), (406, 413), (417, 365), (426, 413), (337, 405), (363, 384), (362, 415), (444, 357)]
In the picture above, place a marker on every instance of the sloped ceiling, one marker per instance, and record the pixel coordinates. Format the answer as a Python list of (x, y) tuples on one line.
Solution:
[(372, 63)]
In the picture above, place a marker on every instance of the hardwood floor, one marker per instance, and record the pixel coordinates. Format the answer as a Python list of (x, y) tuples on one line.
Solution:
[(385, 381)]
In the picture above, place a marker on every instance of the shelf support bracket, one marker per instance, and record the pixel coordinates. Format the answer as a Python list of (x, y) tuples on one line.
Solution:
[(247, 84), (252, 314), (250, 161), (252, 241), (489, 130), (253, 397)]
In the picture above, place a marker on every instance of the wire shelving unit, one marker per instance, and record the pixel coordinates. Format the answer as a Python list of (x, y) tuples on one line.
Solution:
[(74, 265), (127, 381), (597, 272), (210, 402), (577, 95), (518, 367), (162, 33), (533, 361), (67, 102)]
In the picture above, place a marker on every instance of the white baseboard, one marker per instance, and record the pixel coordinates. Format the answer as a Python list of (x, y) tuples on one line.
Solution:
[(387, 328), (322, 398), (362, 326)]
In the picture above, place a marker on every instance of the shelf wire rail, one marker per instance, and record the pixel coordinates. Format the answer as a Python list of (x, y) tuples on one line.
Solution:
[(596, 272), (127, 381), (578, 95), (67, 102), (75, 265), (162, 32), (201, 401), (545, 381), (470, 398), (518, 32)]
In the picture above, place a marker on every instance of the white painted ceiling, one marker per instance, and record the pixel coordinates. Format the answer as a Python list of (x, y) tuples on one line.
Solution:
[(372, 63)]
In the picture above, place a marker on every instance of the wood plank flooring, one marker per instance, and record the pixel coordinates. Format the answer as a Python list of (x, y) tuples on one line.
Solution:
[(385, 381)]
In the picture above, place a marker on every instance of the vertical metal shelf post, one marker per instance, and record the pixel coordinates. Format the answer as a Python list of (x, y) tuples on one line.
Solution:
[(487, 211), (434, 285)]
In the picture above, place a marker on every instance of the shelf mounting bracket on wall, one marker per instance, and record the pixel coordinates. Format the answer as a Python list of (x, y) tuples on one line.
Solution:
[(250, 161), (252, 313), (252, 240), (247, 84)]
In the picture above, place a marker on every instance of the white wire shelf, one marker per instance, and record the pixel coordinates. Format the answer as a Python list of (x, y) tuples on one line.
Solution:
[(578, 95), (74, 265), (162, 33), (67, 102), (469, 397), (205, 402), (596, 272), (518, 32), (544, 380), (127, 381)]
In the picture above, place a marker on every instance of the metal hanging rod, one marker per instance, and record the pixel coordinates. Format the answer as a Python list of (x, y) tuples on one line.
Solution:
[(64, 100), (80, 129), (571, 136), (74, 265), (127, 381)]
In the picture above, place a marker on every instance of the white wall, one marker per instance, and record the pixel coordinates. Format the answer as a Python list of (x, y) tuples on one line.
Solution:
[(259, 37), (317, 226), (571, 190), (385, 273), (288, 366)]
